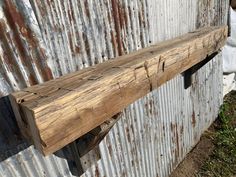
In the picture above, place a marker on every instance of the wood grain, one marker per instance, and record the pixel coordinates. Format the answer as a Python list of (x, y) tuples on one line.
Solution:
[(57, 112)]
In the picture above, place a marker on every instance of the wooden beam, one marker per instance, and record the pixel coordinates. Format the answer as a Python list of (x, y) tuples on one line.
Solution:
[(57, 112)]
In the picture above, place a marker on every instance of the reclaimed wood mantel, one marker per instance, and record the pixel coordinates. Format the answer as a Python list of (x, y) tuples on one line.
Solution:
[(59, 111)]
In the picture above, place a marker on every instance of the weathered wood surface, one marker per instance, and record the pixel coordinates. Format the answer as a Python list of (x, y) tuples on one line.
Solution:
[(57, 112)]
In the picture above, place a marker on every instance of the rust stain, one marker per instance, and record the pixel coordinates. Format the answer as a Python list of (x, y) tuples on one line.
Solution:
[(77, 49), (32, 79), (71, 13), (149, 106), (195, 137), (177, 140), (142, 14), (49, 2), (181, 129), (113, 40), (97, 172), (141, 34), (8, 56), (193, 119), (132, 128), (123, 16), (129, 11), (132, 163), (19, 27), (123, 174), (15, 19), (146, 106), (151, 103), (109, 149), (172, 127), (87, 47), (177, 149), (87, 13), (47, 73), (164, 133), (70, 41), (7, 50), (115, 11), (128, 134), (71, 17)]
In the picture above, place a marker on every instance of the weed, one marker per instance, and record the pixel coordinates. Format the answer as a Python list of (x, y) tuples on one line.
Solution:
[(222, 162)]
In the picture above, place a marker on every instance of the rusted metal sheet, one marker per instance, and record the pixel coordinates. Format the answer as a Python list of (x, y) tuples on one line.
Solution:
[(41, 40), (23, 57)]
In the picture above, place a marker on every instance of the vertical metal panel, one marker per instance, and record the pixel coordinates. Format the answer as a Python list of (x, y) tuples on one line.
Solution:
[(22, 55), (41, 40)]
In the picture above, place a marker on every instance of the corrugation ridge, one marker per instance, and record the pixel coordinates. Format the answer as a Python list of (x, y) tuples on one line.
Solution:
[(163, 147), (118, 135), (168, 122), (27, 164), (41, 167), (137, 142)]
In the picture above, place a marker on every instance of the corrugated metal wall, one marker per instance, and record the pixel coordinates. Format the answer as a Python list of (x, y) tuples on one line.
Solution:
[(44, 39)]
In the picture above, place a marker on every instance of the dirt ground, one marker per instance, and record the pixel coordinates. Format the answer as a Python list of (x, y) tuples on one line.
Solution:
[(215, 154), (196, 158)]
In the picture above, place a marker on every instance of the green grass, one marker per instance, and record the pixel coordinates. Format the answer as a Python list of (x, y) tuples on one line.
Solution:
[(222, 162)]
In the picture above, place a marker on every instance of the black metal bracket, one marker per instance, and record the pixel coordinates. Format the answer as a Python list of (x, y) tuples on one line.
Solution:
[(189, 72)]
